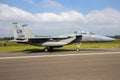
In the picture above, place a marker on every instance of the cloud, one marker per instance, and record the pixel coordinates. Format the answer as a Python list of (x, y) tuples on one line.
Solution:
[(108, 15), (13, 13), (99, 21), (62, 17)]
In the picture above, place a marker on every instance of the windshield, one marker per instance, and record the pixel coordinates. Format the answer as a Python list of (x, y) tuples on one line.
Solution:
[(85, 32)]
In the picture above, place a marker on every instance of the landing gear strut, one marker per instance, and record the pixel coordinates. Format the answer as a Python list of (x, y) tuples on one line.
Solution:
[(50, 49), (78, 46)]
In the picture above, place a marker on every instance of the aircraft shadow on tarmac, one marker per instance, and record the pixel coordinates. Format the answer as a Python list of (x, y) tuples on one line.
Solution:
[(35, 50)]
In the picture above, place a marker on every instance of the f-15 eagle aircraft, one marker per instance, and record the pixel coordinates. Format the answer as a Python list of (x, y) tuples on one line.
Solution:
[(50, 42)]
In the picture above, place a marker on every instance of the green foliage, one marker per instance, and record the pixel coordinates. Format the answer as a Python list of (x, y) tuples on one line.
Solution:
[(117, 37), (6, 38), (17, 48), (7, 43), (114, 44)]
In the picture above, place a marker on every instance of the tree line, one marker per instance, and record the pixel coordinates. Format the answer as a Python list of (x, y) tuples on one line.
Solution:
[(6, 38)]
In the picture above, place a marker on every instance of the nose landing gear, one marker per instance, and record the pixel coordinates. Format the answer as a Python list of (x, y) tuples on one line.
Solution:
[(78, 47)]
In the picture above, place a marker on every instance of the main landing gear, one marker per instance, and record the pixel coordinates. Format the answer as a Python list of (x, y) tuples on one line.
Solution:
[(48, 49)]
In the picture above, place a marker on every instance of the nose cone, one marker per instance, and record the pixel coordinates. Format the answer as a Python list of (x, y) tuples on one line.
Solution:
[(103, 38)]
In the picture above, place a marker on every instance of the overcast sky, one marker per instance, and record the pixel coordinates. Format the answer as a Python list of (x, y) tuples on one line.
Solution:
[(57, 17)]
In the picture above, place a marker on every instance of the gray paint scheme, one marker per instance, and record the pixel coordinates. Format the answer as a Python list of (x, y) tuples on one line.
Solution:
[(25, 36)]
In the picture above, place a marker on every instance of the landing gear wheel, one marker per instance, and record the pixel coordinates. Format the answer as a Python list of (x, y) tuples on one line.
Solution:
[(77, 49), (48, 49)]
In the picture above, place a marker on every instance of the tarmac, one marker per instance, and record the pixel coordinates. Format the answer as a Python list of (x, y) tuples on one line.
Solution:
[(87, 64)]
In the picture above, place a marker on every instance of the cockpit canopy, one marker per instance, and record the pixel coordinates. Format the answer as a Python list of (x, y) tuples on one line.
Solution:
[(84, 32)]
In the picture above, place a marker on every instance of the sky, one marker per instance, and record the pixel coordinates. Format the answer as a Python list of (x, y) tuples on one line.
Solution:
[(58, 17)]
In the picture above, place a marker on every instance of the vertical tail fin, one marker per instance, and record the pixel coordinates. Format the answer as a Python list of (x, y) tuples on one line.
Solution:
[(17, 32), (21, 34), (26, 31)]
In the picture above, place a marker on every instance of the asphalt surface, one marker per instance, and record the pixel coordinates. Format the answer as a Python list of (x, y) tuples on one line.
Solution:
[(88, 64)]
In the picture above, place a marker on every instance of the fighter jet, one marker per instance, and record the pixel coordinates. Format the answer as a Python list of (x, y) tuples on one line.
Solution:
[(50, 42)]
